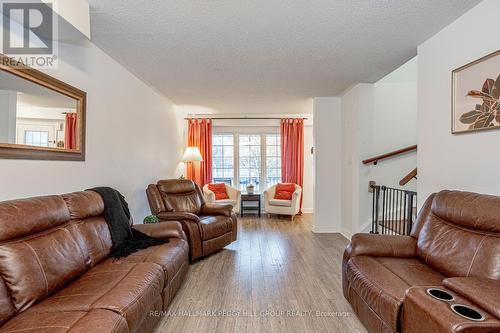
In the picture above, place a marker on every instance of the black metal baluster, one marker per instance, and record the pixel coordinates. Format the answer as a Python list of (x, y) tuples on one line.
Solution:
[(384, 209), (405, 219), (377, 194), (387, 211), (396, 212), (410, 211), (396, 221), (393, 215), (374, 203), (400, 213)]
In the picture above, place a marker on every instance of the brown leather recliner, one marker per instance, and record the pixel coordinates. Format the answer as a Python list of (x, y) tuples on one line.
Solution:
[(56, 274), (454, 246), (209, 227)]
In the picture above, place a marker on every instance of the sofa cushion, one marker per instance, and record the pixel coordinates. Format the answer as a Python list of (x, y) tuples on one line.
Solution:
[(102, 321), (34, 268), (128, 289), (93, 238), (284, 191), (83, 205), (215, 226), (280, 203), (170, 257), (219, 190), (227, 202), (20, 218), (469, 210), (382, 283), (456, 251)]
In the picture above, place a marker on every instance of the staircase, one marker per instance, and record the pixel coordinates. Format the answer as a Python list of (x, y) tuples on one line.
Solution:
[(394, 210)]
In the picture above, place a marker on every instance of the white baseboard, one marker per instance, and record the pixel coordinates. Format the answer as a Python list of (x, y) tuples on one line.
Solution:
[(347, 234), (366, 227), (307, 210)]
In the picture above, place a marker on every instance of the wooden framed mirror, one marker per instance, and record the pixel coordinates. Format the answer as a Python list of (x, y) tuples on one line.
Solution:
[(41, 118)]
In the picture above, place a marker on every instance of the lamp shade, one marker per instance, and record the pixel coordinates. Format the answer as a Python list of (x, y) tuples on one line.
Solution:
[(192, 154)]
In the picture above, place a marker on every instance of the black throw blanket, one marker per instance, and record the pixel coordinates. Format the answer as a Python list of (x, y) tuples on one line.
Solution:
[(126, 240)]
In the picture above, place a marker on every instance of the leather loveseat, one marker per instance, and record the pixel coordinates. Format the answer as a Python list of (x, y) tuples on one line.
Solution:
[(56, 274), (209, 227), (454, 246)]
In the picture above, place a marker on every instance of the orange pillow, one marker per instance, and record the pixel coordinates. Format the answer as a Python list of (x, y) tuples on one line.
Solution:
[(284, 191), (220, 191)]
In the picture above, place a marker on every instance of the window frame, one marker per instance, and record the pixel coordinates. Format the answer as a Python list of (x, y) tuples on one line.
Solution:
[(234, 166), (236, 132), (33, 142), (265, 156)]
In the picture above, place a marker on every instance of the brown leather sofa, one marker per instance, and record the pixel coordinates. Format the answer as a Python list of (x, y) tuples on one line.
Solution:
[(55, 274), (209, 227), (454, 246)]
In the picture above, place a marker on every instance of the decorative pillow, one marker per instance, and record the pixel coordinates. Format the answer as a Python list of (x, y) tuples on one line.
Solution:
[(220, 191), (284, 191)]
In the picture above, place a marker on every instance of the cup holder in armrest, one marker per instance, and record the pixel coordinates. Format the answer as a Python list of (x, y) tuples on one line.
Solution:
[(440, 294), (467, 312)]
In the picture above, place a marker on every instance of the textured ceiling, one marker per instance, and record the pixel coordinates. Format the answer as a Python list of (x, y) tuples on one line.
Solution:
[(264, 55)]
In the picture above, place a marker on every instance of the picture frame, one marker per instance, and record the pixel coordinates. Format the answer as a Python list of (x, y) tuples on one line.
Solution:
[(475, 104)]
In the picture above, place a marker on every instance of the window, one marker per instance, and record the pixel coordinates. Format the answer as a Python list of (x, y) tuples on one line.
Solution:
[(36, 138), (223, 158), (273, 159), (239, 159), (250, 160)]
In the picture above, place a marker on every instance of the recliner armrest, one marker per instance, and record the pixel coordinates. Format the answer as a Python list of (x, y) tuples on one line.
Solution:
[(216, 209), (423, 313), (381, 246), (176, 216), (162, 230), (483, 292)]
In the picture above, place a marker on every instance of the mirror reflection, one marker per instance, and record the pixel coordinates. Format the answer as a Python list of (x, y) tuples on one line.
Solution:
[(33, 115)]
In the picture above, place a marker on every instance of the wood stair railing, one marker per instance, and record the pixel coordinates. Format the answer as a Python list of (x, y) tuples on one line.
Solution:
[(401, 151), (408, 177)]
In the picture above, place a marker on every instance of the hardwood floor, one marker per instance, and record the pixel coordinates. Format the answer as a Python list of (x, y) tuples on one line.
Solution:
[(278, 277)]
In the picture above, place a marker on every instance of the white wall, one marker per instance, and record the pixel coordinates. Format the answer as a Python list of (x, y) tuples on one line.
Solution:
[(76, 12), (132, 137), (357, 111), (467, 161), (308, 190), (394, 125), (376, 119), (372, 119), (8, 105), (327, 166)]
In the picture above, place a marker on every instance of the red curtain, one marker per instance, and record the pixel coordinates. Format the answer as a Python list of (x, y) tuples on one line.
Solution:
[(292, 152), (200, 135), (70, 131)]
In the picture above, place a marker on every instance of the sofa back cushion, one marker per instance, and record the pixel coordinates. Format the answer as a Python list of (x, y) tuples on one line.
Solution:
[(460, 235), (56, 239), (20, 218), (88, 227), (181, 195), (36, 267)]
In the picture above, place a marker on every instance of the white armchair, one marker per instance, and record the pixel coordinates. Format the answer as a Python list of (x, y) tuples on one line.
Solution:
[(282, 207), (233, 193)]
